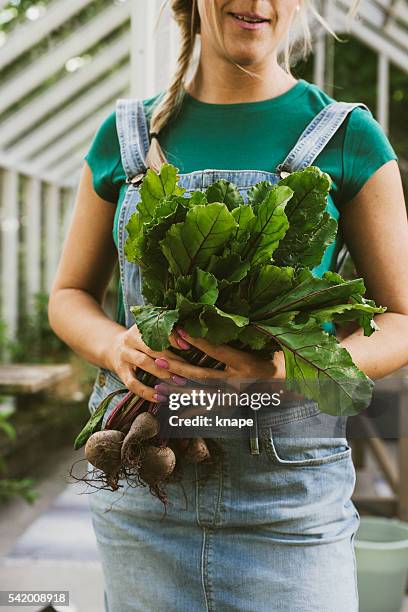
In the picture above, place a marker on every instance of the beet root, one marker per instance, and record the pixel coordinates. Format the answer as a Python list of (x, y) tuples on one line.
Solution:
[(144, 427), (197, 451), (103, 450), (157, 463)]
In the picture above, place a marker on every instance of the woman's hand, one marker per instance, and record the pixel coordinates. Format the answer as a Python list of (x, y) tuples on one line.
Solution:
[(242, 370), (240, 365), (129, 353)]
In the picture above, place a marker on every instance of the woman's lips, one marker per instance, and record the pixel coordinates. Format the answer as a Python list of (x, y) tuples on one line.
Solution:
[(246, 25)]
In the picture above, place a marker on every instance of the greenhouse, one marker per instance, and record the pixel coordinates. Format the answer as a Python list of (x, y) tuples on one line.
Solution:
[(63, 66)]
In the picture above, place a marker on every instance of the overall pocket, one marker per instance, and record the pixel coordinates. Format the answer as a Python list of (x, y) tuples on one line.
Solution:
[(306, 442)]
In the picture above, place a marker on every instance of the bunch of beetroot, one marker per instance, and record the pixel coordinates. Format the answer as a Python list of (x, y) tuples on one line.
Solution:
[(117, 454), (133, 448)]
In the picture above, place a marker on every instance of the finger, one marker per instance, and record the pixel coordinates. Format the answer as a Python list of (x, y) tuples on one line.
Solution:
[(221, 352), (173, 341), (146, 362), (177, 342), (167, 388), (186, 370), (135, 341), (128, 376), (170, 354), (140, 360)]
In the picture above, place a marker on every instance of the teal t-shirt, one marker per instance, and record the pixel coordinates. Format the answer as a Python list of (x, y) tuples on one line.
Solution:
[(248, 136)]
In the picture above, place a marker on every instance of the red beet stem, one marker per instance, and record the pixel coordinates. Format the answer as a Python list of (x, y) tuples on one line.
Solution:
[(117, 408), (129, 413)]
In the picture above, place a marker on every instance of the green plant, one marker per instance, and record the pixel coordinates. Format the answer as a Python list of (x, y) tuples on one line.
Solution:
[(9, 488), (36, 341), (3, 340), (17, 488)]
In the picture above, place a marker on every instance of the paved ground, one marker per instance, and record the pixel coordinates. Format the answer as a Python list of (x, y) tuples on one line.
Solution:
[(51, 546), (63, 532)]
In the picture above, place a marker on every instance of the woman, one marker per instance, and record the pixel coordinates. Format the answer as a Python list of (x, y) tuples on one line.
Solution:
[(266, 532)]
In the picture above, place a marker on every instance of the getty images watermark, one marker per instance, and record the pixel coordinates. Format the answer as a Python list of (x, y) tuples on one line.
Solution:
[(233, 408), (200, 400)]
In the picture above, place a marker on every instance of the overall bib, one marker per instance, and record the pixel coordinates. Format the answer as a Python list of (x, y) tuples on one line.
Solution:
[(265, 532)]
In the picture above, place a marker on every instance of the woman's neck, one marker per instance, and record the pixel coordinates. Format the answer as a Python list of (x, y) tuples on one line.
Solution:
[(228, 84)]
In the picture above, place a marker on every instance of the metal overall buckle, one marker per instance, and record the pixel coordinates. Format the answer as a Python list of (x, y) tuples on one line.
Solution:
[(136, 180), (282, 172)]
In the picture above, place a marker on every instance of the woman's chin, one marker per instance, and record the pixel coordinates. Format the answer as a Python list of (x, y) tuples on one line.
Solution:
[(246, 56)]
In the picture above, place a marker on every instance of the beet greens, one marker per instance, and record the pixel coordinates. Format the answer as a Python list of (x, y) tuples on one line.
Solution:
[(241, 273), (237, 273)]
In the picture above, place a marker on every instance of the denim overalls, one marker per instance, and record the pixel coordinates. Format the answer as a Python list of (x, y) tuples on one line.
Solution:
[(263, 532)]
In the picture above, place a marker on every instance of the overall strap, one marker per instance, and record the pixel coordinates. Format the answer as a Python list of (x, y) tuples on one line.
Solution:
[(317, 134), (133, 134)]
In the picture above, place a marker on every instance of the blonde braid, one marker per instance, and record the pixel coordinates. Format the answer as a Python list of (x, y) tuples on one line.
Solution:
[(186, 15)]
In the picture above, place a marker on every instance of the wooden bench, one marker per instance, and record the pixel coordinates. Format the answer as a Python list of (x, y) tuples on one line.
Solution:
[(28, 379)]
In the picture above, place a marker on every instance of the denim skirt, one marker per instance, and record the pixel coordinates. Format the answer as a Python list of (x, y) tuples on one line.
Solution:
[(271, 532)]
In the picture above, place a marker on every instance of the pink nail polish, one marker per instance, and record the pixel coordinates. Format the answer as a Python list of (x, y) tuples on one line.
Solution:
[(159, 398), (182, 332), (178, 380), (162, 388), (162, 363), (182, 344)]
